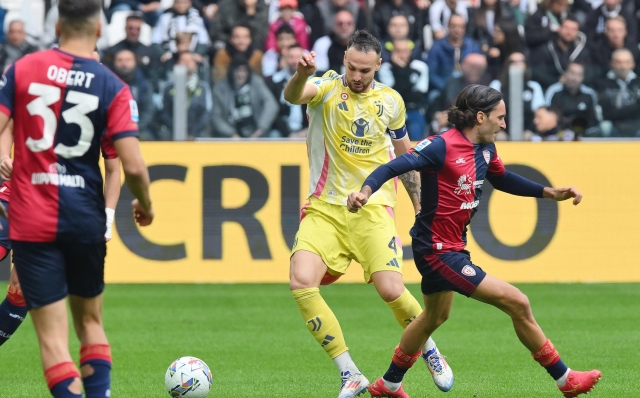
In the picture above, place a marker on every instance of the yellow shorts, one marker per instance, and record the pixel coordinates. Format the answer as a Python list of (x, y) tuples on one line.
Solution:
[(338, 236)]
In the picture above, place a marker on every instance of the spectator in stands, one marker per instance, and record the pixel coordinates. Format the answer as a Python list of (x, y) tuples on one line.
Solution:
[(578, 104), (330, 49), (49, 38), (506, 41), (311, 13), (290, 17), (548, 127), (532, 93), (619, 96), (291, 121), (243, 105), (473, 71), (183, 44), (447, 53), (251, 13), (550, 61), (147, 58), (440, 12), (15, 46), (182, 17), (198, 102), (540, 27), (385, 10), (595, 25), (482, 21), (208, 8), (410, 78), (151, 9), (239, 44), (273, 60), (604, 46), (398, 29), (124, 65), (329, 11)]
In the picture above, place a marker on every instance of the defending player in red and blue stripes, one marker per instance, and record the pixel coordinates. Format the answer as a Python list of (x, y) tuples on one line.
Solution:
[(453, 167)]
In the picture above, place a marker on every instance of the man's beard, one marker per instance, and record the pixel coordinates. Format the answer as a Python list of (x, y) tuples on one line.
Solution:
[(125, 74)]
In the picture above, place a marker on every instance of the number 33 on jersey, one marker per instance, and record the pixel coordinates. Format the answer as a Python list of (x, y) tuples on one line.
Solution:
[(65, 109)]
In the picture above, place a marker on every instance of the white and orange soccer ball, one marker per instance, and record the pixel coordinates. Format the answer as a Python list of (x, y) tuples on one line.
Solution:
[(188, 377)]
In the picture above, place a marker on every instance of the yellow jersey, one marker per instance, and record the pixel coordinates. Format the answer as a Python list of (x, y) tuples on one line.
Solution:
[(348, 138)]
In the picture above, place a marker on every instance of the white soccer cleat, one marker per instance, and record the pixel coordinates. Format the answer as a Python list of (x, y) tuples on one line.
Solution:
[(353, 384), (439, 368)]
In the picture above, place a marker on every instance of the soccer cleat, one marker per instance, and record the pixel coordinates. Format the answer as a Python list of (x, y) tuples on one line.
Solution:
[(378, 389), (353, 384), (580, 382), (439, 368)]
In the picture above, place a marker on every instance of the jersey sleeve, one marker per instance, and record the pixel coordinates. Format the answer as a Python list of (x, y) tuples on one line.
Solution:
[(496, 167), (324, 84), (428, 154), (122, 116), (7, 91), (400, 118), (108, 150)]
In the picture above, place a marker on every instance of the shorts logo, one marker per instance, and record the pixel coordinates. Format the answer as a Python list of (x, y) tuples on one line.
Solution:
[(344, 96), (487, 156), (360, 127), (393, 263), (468, 271), (465, 182), (460, 160)]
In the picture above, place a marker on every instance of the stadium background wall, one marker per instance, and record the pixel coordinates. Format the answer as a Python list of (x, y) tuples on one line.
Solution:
[(228, 212)]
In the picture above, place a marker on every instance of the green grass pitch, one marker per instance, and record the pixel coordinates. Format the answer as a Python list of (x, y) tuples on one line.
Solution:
[(257, 345)]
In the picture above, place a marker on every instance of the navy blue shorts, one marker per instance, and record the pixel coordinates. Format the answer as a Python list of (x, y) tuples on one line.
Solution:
[(449, 271), (4, 232), (49, 271)]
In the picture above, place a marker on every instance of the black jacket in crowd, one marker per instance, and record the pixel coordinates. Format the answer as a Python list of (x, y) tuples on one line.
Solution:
[(548, 62), (620, 102), (580, 110)]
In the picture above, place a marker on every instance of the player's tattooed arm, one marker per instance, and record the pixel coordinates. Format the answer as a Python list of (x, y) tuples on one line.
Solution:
[(411, 182)]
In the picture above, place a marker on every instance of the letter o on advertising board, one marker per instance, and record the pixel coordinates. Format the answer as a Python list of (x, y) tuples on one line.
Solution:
[(546, 224)]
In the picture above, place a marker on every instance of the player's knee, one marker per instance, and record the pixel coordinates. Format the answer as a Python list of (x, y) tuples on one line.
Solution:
[(519, 305), (391, 292)]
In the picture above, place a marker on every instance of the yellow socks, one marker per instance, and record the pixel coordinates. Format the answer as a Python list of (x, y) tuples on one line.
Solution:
[(321, 321), (405, 308)]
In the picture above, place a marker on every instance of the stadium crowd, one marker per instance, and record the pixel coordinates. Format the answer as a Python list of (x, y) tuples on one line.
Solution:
[(580, 59)]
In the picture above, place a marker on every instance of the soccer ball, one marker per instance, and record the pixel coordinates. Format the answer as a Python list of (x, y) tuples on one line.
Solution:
[(188, 377)]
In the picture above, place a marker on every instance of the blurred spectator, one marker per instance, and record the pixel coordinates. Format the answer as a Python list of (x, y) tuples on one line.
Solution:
[(440, 12), (532, 93), (548, 127), (124, 65), (243, 105), (385, 10), (15, 45), (147, 58), (183, 44), (595, 25), (398, 29), (273, 59), (3, 14), (251, 13), (49, 38), (447, 53), (613, 39), (410, 78), (198, 102), (311, 13), (151, 9), (329, 11), (482, 21), (291, 121), (578, 104), (208, 8), (619, 96), (239, 44), (506, 41), (474, 71), (568, 45), (330, 49), (289, 16), (518, 11), (540, 27), (182, 17)]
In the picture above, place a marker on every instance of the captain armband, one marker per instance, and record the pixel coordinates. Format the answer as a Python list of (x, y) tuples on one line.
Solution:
[(398, 134)]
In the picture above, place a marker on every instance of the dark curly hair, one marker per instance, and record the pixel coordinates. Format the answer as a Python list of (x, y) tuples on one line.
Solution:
[(471, 100), (364, 41)]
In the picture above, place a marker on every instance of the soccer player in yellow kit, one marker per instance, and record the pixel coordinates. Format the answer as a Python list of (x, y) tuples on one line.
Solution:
[(355, 125)]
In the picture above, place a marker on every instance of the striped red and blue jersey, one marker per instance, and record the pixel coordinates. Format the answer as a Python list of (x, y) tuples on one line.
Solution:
[(65, 108), (452, 172)]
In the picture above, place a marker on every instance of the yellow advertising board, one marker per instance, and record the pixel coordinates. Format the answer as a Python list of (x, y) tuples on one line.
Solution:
[(228, 212)]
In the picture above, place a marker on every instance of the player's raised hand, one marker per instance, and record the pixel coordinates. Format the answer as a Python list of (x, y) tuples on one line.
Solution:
[(564, 193), (356, 200), (307, 64), (143, 217), (6, 168)]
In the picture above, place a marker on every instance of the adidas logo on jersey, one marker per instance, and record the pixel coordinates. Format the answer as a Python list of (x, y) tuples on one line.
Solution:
[(343, 106)]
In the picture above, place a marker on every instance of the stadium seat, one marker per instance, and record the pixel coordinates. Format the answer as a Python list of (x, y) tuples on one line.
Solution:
[(116, 29)]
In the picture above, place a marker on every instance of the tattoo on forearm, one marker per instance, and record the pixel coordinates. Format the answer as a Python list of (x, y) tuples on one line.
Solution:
[(411, 182)]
